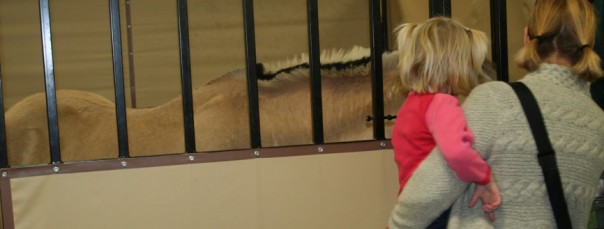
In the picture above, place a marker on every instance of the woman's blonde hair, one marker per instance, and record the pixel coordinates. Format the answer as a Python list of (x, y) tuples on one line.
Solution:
[(565, 28), (441, 55)]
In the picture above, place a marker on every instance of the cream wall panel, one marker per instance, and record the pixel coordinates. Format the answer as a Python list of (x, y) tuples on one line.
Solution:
[(345, 190)]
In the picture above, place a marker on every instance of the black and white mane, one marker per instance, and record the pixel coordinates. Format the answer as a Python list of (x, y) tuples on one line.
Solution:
[(333, 63)]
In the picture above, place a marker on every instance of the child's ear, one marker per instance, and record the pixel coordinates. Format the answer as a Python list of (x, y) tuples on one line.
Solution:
[(526, 36)]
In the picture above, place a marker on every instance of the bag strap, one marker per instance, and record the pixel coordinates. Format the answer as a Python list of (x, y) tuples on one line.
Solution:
[(546, 155)]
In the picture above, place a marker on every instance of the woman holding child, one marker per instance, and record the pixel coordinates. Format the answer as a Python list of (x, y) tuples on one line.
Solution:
[(561, 63)]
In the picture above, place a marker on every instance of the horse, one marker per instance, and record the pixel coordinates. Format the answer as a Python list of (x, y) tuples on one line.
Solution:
[(87, 121)]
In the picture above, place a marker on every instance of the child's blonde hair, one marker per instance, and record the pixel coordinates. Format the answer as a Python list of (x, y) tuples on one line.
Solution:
[(441, 56), (566, 28)]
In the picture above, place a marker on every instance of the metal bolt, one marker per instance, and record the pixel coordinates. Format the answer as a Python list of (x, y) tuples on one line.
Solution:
[(257, 153), (124, 163), (320, 149), (191, 158), (4, 174), (382, 144), (55, 169)]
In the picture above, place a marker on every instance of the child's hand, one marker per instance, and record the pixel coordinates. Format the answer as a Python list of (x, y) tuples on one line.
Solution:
[(489, 195)]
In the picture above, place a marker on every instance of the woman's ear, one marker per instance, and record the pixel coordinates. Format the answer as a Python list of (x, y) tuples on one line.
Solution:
[(526, 36)]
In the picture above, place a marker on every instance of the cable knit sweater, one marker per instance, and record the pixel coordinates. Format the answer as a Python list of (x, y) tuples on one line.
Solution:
[(576, 129)]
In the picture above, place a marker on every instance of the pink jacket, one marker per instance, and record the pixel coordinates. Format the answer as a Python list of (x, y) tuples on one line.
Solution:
[(428, 120)]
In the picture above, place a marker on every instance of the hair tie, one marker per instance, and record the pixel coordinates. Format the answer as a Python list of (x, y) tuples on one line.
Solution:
[(583, 47), (539, 38), (468, 30)]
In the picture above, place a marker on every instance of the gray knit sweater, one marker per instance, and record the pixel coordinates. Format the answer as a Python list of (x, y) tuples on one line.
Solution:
[(576, 129)]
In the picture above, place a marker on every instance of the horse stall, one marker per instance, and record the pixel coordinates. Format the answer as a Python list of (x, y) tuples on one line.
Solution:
[(210, 113)]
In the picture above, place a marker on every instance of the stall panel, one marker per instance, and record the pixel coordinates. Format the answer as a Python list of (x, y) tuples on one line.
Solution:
[(342, 190)]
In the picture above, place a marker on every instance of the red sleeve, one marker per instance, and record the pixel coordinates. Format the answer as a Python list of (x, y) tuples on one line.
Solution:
[(446, 121)]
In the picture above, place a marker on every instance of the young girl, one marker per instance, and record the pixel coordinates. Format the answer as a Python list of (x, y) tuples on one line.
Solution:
[(438, 60)]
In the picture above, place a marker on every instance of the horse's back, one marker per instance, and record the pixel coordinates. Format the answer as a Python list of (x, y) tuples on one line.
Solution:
[(79, 113)]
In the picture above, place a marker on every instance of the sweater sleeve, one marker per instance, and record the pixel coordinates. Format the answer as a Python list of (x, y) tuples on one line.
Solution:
[(431, 190), (446, 121)]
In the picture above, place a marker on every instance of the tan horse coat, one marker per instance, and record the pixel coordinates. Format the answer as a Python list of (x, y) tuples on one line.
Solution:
[(87, 123)]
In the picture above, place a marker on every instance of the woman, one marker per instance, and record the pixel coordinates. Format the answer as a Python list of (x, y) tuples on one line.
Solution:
[(561, 65)]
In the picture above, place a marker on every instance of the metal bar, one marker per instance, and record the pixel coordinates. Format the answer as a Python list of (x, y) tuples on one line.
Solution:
[(440, 8), (377, 78), (385, 24), (8, 216), (130, 54), (49, 80), (315, 71), (3, 148), (499, 38), (185, 159), (252, 78), (118, 76), (599, 44), (185, 74)]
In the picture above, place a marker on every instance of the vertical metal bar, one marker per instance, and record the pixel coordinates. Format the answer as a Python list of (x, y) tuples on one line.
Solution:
[(185, 74), (3, 150), (315, 71), (252, 78), (385, 24), (499, 37), (440, 8), (8, 216), (130, 54), (118, 76), (599, 44), (49, 80), (377, 79)]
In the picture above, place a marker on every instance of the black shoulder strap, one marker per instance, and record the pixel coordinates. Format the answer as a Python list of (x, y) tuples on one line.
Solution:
[(546, 155)]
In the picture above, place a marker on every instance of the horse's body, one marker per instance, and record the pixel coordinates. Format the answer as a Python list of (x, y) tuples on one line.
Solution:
[(88, 131)]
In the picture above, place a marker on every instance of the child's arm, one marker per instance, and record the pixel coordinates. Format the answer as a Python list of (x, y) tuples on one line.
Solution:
[(489, 194), (446, 121)]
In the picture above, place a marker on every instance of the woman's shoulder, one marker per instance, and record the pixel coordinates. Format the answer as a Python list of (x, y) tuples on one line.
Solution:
[(495, 96), (491, 90), (492, 85)]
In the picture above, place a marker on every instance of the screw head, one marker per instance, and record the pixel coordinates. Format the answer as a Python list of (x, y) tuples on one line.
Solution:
[(191, 158), (382, 144), (320, 149), (4, 174), (257, 153), (124, 163), (55, 169)]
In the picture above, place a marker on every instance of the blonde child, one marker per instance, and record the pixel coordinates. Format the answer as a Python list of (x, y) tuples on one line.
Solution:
[(439, 60)]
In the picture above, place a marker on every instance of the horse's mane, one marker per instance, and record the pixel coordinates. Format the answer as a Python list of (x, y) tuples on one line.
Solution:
[(334, 60), (355, 62)]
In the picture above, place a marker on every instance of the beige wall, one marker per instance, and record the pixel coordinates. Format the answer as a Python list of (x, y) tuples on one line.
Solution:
[(82, 43), (83, 54), (344, 190)]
